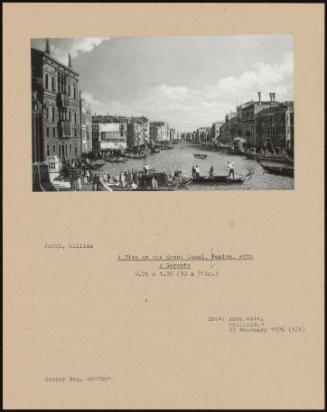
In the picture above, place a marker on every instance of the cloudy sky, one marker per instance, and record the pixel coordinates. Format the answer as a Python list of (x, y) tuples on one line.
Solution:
[(188, 81)]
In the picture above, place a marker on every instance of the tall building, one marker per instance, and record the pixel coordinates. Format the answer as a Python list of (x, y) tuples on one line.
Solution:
[(232, 127), (172, 135), (203, 134), (138, 131), (55, 90), (86, 127), (214, 132), (159, 131), (109, 132), (37, 130), (275, 127), (223, 136), (247, 113)]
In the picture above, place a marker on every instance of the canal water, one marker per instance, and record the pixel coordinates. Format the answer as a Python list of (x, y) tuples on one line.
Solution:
[(181, 158)]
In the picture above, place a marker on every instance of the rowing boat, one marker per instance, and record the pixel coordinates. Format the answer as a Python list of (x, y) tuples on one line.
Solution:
[(200, 156)]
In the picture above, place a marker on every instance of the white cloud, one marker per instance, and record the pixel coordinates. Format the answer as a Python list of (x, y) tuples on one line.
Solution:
[(60, 48), (186, 108), (85, 45)]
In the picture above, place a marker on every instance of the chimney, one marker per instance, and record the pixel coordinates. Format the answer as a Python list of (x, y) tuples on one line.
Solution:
[(69, 61), (259, 97), (47, 46), (271, 98)]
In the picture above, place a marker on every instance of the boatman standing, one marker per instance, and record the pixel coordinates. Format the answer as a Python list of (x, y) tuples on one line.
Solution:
[(230, 167), (146, 169)]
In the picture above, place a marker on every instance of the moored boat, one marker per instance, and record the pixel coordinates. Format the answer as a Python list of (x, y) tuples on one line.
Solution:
[(269, 158), (278, 170), (136, 156), (235, 150)]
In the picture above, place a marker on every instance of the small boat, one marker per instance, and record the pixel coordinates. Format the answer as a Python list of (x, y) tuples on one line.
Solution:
[(235, 150), (278, 170), (218, 180), (269, 158), (155, 149), (117, 160), (95, 165), (200, 156), (136, 156)]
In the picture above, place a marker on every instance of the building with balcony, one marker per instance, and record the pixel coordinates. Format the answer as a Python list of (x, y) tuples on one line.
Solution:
[(109, 132), (57, 131)]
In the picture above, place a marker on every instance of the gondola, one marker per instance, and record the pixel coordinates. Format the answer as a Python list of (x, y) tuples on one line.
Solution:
[(119, 160), (208, 180), (200, 156), (278, 170)]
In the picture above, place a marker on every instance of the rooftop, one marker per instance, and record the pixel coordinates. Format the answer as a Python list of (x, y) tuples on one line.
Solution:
[(42, 53)]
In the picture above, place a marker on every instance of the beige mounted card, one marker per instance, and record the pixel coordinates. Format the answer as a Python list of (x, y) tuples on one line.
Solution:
[(203, 285)]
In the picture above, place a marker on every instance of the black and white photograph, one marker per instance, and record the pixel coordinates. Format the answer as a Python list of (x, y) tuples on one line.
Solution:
[(168, 113)]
